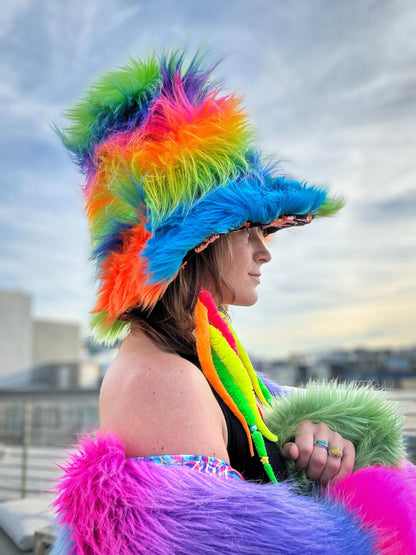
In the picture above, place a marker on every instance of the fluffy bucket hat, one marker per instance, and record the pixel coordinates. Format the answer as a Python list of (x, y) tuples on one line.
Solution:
[(170, 164)]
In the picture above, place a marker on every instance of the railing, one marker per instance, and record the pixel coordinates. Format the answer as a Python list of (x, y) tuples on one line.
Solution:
[(38, 429), (406, 398), (36, 433)]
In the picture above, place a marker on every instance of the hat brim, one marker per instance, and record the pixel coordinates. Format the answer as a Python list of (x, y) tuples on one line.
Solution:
[(272, 204)]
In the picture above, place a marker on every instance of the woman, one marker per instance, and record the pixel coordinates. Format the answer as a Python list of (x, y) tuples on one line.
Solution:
[(163, 381), (180, 203)]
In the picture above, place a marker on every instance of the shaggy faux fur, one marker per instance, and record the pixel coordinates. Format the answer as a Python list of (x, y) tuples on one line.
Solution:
[(385, 500), (359, 413), (169, 160), (110, 505)]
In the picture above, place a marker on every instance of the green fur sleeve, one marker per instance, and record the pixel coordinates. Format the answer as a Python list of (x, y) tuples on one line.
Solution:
[(359, 413)]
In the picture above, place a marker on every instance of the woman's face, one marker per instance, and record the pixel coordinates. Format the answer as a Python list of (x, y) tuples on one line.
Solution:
[(242, 269)]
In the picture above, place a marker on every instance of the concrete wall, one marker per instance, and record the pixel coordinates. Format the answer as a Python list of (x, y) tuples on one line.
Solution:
[(15, 332), (55, 342)]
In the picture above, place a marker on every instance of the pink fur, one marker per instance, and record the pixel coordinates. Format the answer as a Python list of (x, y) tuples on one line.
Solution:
[(385, 501), (110, 505)]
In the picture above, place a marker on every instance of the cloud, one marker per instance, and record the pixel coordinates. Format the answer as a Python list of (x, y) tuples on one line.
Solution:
[(339, 326), (11, 9), (390, 211), (330, 88)]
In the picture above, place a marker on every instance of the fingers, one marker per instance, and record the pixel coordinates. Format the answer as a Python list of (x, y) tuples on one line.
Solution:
[(291, 451), (305, 442), (347, 462), (334, 464), (317, 459), (319, 463)]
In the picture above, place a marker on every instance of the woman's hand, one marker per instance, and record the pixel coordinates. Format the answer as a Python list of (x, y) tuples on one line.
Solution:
[(317, 460)]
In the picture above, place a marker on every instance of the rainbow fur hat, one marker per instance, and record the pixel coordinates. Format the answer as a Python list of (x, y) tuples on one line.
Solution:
[(170, 165)]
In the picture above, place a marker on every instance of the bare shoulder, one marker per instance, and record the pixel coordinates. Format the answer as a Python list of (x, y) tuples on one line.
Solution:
[(159, 403)]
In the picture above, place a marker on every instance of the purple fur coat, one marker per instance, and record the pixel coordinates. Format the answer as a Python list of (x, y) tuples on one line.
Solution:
[(108, 504)]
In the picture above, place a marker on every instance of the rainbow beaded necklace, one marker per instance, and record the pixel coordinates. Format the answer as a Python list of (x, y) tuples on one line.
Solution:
[(228, 369)]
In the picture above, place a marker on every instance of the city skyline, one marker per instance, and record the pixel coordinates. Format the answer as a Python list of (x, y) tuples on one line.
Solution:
[(330, 90)]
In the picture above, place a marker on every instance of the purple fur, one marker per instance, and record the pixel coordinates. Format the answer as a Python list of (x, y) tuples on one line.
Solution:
[(273, 388), (120, 506), (194, 79)]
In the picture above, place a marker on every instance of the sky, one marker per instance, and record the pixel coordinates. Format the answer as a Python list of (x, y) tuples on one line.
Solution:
[(331, 89)]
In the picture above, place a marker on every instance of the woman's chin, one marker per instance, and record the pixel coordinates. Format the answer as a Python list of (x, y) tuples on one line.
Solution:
[(245, 300)]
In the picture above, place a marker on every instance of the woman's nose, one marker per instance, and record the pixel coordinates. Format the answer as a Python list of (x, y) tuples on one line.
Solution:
[(262, 252), (265, 254)]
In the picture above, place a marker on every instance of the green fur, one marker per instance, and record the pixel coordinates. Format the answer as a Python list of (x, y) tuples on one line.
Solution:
[(330, 207), (360, 413), (112, 96), (108, 335)]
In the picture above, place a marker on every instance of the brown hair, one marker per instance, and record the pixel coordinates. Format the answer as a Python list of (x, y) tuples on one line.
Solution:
[(171, 322)]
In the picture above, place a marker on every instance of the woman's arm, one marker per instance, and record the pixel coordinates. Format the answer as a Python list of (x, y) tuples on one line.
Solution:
[(360, 414)]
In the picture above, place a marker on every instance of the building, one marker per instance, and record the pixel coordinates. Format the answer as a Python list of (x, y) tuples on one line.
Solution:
[(39, 353), (55, 342), (16, 337), (386, 367)]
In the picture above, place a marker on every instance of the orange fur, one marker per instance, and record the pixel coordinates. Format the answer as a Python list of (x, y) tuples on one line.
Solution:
[(119, 290), (164, 152)]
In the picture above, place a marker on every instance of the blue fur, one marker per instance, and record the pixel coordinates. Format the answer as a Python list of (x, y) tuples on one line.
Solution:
[(222, 210), (111, 242), (257, 196), (64, 543)]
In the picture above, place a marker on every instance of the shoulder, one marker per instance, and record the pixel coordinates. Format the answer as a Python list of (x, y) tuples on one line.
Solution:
[(160, 403), (157, 379)]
